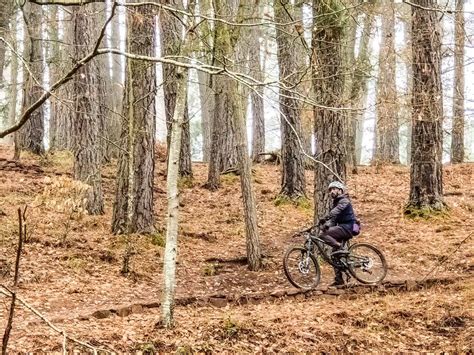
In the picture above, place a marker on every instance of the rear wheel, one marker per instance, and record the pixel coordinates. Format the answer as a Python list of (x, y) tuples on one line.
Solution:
[(366, 263), (301, 268)]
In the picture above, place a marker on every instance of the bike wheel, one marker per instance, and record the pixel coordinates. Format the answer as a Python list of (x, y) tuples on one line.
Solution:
[(366, 263), (301, 268)]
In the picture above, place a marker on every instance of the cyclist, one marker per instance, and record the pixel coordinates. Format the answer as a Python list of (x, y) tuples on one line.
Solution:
[(338, 224)]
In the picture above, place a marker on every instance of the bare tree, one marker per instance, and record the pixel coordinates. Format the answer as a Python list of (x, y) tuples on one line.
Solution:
[(30, 136), (457, 142), (328, 84), (358, 91), (6, 13), (170, 32), (134, 205), (60, 54), (256, 96), (223, 154), (386, 136), (426, 174), (86, 122), (293, 179)]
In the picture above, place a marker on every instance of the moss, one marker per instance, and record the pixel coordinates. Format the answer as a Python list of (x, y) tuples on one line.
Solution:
[(230, 179), (300, 202), (231, 328), (185, 182), (425, 212), (158, 239), (211, 269)]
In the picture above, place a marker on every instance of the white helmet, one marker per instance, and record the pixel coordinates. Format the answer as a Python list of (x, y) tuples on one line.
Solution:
[(338, 185)]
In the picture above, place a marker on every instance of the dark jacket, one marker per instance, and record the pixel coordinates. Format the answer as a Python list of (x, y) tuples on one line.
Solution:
[(342, 214)]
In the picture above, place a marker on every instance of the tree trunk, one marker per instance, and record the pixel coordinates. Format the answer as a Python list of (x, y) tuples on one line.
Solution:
[(408, 59), (457, 142), (386, 135), (256, 95), (254, 253), (223, 155), (206, 99), (205, 81), (426, 178), (60, 132), (174, 152), (6, 12), (13, 95), (358, 93), (86, 121), (30, 136), (133, 208), (170, 31), (115, 87), (328, 84), (293, 179)]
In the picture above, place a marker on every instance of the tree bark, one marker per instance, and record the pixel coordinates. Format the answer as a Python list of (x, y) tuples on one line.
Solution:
[(386, 135), (293, 179), (256, 95), (133, 208), (170, 31), (60, 129), (171, 248), (457, 142), (6, 12), (426, 178), (328, 84), (87, 113), (205, 81), (223, 155), (30, 136), (13, 95)]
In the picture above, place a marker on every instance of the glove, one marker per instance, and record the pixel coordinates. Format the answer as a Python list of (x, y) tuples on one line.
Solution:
[(326, 226), (322, 221)]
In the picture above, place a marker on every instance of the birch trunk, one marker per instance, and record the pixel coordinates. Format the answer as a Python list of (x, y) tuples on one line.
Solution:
[(171, 248)]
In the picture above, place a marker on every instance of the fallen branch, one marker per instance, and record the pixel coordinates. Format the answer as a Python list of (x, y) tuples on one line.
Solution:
[(8, 328), (7, 292)]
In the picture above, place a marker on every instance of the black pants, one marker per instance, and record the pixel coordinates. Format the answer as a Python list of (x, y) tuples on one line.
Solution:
[(334, 236)]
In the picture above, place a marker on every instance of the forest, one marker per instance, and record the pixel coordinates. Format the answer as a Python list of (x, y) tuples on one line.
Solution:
[(160, 160)]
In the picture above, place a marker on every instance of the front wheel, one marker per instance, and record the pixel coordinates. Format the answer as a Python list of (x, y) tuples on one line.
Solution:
[(366, 263), (301, 268)]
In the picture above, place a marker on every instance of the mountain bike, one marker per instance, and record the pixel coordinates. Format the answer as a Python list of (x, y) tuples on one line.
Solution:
[(362, 261)]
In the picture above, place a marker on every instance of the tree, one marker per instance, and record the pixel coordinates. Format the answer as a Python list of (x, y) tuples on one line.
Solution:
[(223, 154), (293, 179), (386, 136), (13, 92), (426, 177), (358, 92), (133, 207), (457, 142), (30, 136), (170, 31), (6, 12), (169, 264), (256, 95), (87, 114), (61, 35), (328, 85)]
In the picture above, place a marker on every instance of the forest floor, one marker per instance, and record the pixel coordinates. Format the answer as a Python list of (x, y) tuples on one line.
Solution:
[(71, 268)]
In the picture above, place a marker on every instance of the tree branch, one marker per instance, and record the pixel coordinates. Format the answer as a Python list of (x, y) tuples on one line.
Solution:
[(47, 94)]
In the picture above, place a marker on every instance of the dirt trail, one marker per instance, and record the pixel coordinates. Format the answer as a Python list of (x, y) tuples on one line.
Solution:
[(71, 263)]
